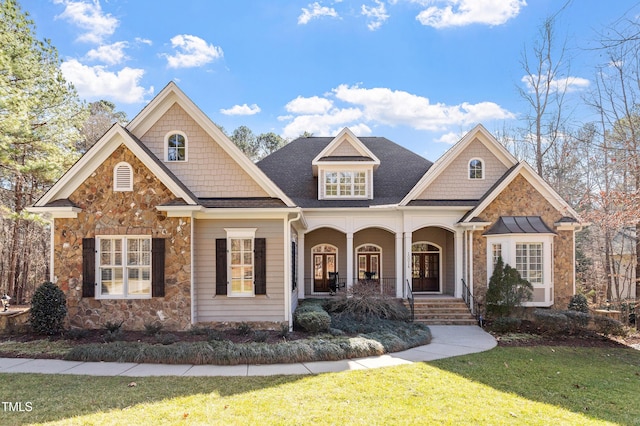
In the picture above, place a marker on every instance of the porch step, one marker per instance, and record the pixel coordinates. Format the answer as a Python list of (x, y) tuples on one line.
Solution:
[(442, 311)]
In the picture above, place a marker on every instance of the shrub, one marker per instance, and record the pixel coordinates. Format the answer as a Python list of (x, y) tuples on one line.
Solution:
[(48, 309), (167, 339), (579, 303), (76, 333), (507, 290), (283, 331), (313, 321), (260, 336), (152, 329), (113, 327), (244, 329), (551, 322), (214, 335), (608, 326), (365, 301), (199, 331), (506, 324), (113, 335), (578, 321)]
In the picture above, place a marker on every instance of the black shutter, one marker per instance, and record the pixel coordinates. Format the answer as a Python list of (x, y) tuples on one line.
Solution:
[(88, 267), (260, 259), (157, 267), (294, 269), (221, 266)]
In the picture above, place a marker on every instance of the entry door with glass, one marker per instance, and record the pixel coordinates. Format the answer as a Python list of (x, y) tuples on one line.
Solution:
[(324, 263), (425, 268)]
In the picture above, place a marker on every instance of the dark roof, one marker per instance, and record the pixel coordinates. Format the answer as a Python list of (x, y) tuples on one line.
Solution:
[(346, 158), (519, 225), (62, 202), (290, 168)]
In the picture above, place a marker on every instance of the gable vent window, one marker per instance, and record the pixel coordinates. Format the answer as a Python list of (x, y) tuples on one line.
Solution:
[(175, 147), (123, 177), (476, 169)]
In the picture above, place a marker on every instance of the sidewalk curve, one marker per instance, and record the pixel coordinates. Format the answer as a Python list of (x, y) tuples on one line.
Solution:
[(448, 341)]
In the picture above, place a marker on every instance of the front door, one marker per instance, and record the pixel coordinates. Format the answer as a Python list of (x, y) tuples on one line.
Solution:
[(323, 265), (425, 272), (368, 266)]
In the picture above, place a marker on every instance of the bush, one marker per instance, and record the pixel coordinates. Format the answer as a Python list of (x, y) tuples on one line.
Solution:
[(260, 336), (579, 303), (608, 326), (76, 333), (313, 321), (365, 301), (506, 324), (507, 290), (153, 329), (551, 322), (48, 309), (113, 327), (167, 339), (244, 329)]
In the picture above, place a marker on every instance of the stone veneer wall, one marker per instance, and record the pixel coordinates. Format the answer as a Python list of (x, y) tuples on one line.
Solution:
[(105, 212), (520, 198)]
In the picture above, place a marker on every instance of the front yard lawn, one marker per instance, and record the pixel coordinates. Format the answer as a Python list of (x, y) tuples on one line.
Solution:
[(507, 385)]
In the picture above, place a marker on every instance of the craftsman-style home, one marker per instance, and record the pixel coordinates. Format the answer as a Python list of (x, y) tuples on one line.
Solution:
[(166, 220)]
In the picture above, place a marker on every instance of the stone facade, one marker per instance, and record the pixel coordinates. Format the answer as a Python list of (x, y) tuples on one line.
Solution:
[(520, 198), (106, 212)]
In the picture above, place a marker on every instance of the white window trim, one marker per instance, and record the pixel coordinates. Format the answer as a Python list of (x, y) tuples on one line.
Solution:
[(117, 187), (125, 276), (241, 233), (508, 242), (322, 184), (484, 172), (166, 147)]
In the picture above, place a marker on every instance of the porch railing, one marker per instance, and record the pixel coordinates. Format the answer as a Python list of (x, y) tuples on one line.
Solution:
[(410, 300), (471, 302), (386, 286)]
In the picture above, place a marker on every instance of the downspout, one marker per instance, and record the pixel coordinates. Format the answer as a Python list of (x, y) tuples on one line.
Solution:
[(287, 267), (193, 284), (52, 238), (471, 288)]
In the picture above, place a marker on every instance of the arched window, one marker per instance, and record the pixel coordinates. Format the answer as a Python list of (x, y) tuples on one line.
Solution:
[(123, 177), (369, 259), (175, 146), (476, 169)]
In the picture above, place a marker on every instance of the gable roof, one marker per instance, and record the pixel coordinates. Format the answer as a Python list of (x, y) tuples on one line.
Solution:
[(479, 133), (522, 169), (170, 95), (365, 156), (290, 168), (98, 153)]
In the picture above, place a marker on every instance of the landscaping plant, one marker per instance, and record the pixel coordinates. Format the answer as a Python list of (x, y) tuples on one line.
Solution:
[(507, 290), (48, 309)]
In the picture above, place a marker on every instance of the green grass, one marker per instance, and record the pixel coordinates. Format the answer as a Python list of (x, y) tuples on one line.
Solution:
[(533, 385), (37, 347)]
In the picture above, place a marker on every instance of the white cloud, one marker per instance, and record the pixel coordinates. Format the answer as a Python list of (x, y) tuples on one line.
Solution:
[(192, 51), (377, 15), (312, 105), (315, 11), (143, 41), (567, 84), (89, 17), (449, 138), (111, 54), (458, 13), (363, 108), (98, 83), (241, 110)]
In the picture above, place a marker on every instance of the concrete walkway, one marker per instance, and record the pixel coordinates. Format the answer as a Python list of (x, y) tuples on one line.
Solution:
[(448, 341)]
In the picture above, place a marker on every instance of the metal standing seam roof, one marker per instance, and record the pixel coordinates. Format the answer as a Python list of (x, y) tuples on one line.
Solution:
[(519, 225)]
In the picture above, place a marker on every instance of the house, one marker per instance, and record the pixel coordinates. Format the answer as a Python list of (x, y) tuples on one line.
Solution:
[(165, 220)]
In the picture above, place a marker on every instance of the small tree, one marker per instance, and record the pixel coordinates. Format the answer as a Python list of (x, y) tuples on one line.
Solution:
[(48, 309), (507, 290)]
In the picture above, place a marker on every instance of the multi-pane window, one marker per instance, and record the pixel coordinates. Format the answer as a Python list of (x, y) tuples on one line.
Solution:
[(345, 184), (124, 267), (475, 169), (496, 253), (241, 265), (176, 147), (529, 262)]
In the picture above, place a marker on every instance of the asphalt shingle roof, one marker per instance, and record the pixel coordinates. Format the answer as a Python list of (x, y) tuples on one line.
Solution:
[(290, 168)]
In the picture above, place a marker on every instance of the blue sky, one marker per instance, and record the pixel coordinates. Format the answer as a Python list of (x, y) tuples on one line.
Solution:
[(419, 72)]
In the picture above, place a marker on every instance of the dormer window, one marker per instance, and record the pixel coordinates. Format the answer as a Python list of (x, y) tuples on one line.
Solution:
[(175, 147), (347, 184), (476, 169)]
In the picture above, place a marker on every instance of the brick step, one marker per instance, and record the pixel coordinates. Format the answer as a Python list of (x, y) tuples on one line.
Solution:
[(442, 312), (467, 321)]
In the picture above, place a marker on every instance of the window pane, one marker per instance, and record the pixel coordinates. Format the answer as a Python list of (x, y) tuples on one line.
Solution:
[(105, 258), (247, 244), (236, 258), (139, 282), (112, 281)]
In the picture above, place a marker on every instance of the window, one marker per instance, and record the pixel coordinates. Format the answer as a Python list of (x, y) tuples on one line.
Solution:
[(123, 177), (241, 263), (176, 147), (496, 250), (529, 262), (124, 267), (476, 169), (369, 262), (345, 184)]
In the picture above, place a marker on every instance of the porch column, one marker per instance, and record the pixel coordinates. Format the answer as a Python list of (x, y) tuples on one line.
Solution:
[(349, 276), (408, 238), (301, 259), (458, 241), (399, 266)]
